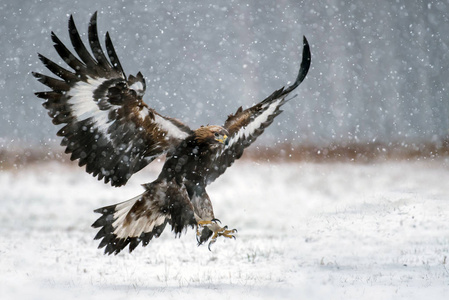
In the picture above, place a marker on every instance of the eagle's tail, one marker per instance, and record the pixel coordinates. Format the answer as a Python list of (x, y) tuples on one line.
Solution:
[(144, 217), (129, 222)]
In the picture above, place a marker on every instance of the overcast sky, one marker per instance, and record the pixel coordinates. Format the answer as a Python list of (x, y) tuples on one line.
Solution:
[(379, 68)]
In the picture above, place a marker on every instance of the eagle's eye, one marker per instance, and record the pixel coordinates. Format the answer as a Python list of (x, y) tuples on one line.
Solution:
[(216, 134)]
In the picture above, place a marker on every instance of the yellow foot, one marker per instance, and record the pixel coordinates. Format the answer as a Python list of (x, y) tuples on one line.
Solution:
[(216, 230)]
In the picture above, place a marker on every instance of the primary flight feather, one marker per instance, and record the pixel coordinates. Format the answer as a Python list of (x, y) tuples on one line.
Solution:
[(110, 129)]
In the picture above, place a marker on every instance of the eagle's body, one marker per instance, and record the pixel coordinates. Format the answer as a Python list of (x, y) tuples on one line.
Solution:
[(109, 128)]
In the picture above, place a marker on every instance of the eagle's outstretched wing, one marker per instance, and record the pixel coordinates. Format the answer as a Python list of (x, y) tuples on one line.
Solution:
[(108, 127), (246, 125)]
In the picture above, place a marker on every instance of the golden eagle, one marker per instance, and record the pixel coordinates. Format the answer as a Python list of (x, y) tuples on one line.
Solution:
[(109, 129)]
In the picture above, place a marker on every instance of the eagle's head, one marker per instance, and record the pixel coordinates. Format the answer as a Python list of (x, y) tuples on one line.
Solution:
[(213, 136)]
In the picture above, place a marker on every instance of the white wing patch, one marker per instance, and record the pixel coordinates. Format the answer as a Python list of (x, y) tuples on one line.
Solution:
[(256, 123), (80, 98), (83, 105), (170, 128)]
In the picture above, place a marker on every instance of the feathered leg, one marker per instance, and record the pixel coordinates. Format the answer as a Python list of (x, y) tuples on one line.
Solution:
[(207, 225)]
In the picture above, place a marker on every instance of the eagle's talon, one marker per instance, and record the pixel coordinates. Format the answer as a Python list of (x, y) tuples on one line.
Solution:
[(210, 243), (216, 231)]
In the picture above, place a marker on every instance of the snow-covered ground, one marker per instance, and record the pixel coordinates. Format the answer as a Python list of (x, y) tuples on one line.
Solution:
[(305, 231)]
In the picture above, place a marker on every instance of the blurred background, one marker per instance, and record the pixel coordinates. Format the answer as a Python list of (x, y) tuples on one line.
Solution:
[(377, 85)]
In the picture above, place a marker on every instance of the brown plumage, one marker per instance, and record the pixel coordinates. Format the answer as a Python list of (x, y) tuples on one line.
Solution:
[(108, 128)]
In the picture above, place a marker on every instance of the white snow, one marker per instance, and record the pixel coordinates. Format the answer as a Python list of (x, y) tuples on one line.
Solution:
[(305, 231)]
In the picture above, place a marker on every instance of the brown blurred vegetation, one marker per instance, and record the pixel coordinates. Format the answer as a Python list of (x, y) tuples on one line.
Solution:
[(362, 153), (13, 158)]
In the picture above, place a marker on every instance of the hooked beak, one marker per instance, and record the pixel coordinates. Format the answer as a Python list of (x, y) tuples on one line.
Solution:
[(223, 140)]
